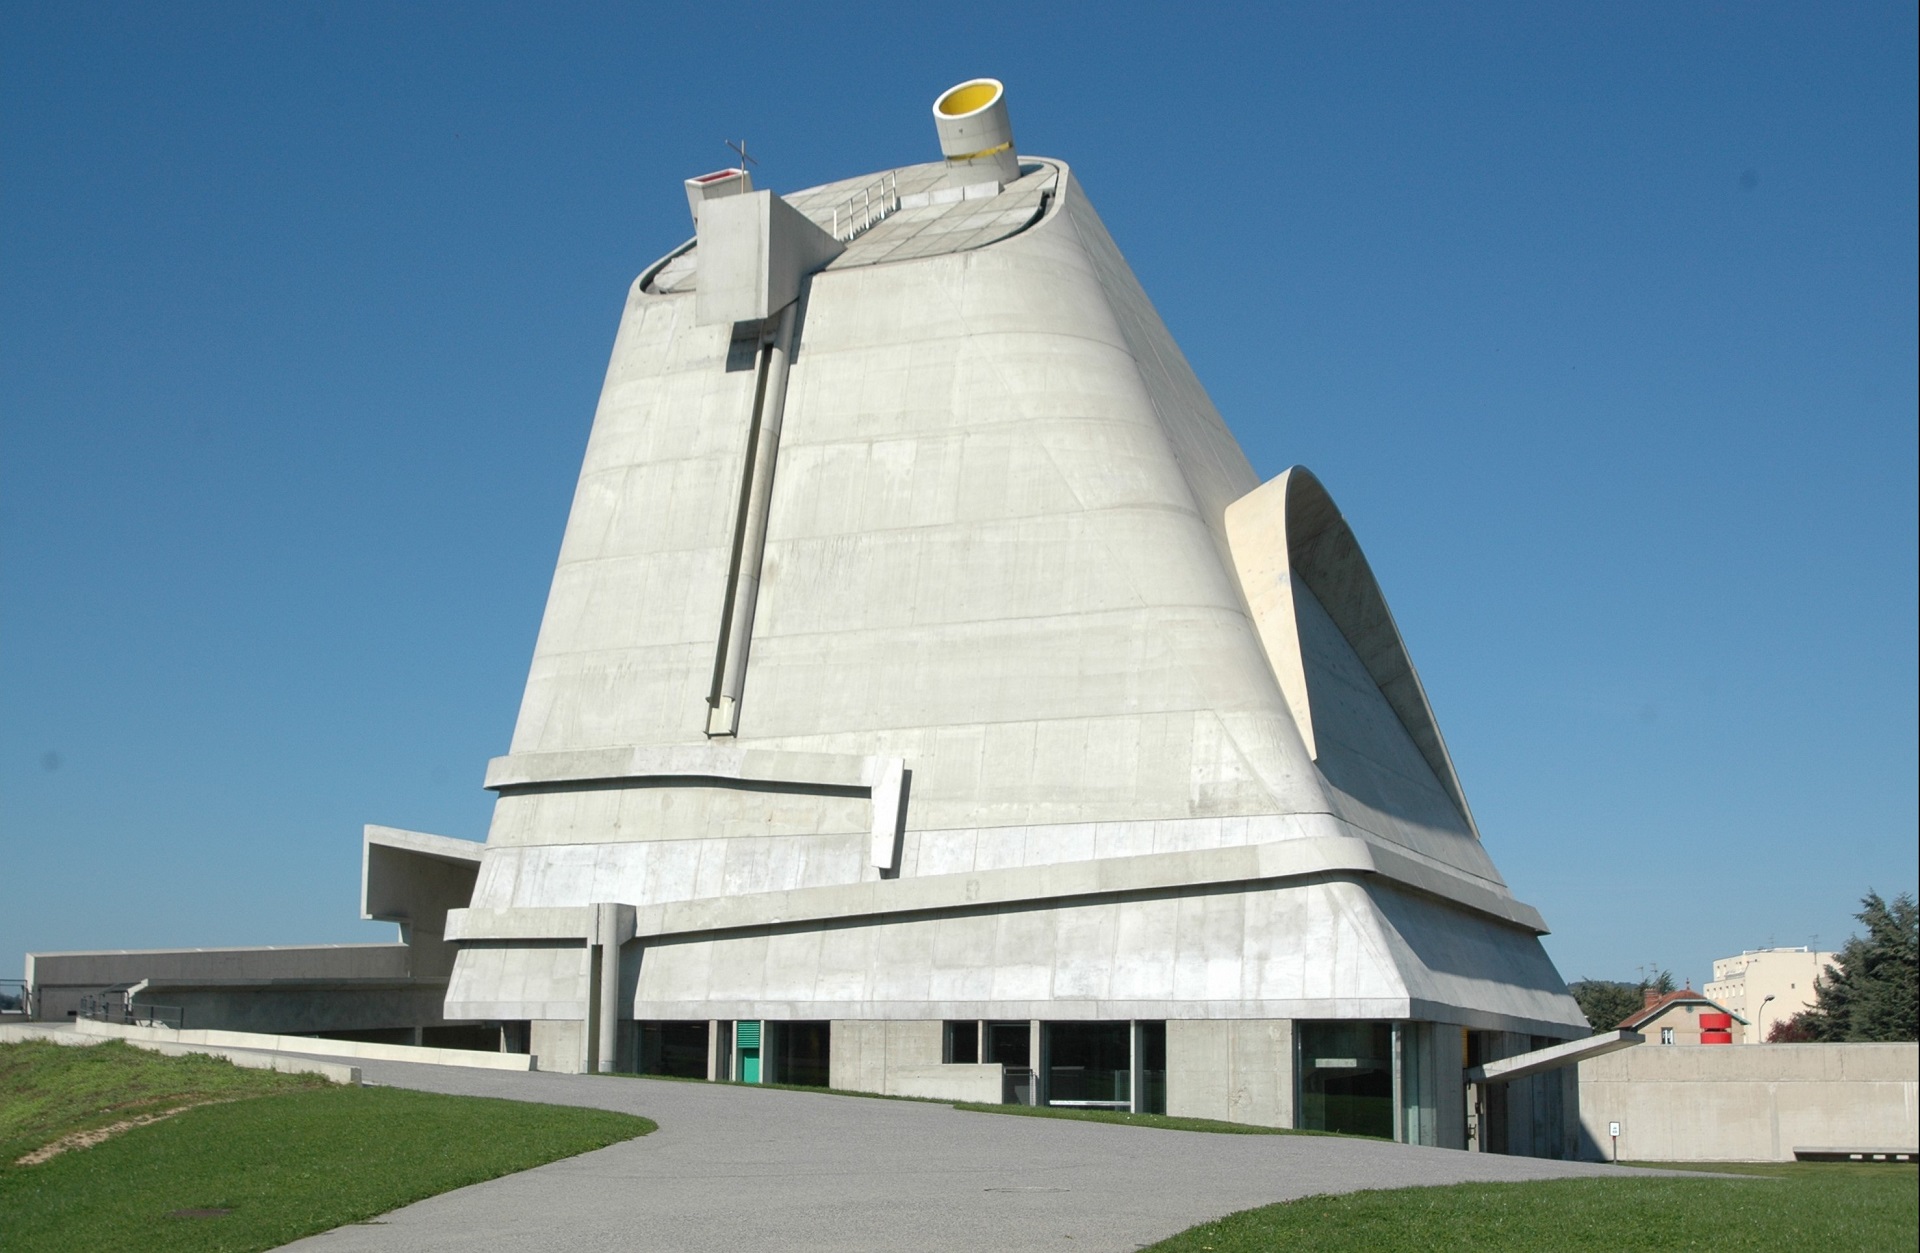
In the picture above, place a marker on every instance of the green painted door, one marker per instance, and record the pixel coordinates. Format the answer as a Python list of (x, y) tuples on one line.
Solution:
[(746, 1040)]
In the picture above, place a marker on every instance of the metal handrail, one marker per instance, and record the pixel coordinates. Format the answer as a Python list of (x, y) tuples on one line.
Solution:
[(117, 1005), (866, 208)]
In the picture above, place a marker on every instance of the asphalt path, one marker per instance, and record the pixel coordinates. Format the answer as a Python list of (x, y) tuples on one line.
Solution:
[(735, 1168)]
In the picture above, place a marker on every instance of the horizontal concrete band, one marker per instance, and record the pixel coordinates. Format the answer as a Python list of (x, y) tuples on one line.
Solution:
[(1380, 1009), (728, 763), (255, 1041), (1153, 872), (344, 983)]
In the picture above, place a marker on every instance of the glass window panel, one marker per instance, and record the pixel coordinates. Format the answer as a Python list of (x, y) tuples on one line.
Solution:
[(1346, 1077), (962, 1044), (1010, 1043), (1089, 1064)]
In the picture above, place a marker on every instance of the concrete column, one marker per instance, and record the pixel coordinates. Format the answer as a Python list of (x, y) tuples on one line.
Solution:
[(1399, 1082), (607, 948), (713, 1050), (1037, 1057), (1135, 1084), (589, 1059)]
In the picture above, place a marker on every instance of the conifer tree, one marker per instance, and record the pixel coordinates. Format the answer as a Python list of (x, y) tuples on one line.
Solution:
[(1873, 992)]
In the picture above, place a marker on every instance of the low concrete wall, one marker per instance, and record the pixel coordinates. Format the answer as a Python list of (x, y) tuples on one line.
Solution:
[(561, 1041), (338, 1073), (470, 1058), (902, 1058), (982, 1083), (1719, 1103)]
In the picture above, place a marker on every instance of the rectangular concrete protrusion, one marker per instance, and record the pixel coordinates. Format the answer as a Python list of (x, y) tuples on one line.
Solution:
[(889, 778), (705, 187), (754, 249)]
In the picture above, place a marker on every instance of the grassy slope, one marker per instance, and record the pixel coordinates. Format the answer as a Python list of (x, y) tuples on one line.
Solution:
[(47, 1090), (1776, 1206), (291, 1161)]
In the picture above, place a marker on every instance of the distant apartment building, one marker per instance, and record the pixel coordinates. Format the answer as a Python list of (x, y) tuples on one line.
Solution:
[(1768, 985)]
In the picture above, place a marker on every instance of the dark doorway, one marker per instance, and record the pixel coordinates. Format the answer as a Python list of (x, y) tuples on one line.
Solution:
[(674, 1048), (475, 1036), (1089, 1064), (1153, 1067), (801, 1053)]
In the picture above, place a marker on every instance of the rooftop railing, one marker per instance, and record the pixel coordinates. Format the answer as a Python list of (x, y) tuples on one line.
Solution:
[(117, 1005), (866, 208)]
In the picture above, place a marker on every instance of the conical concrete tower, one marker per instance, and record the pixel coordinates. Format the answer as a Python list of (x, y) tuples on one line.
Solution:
[(926, 670)]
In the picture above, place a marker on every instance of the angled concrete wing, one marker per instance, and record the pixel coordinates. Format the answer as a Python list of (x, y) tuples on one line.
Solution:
[(1319, 609)]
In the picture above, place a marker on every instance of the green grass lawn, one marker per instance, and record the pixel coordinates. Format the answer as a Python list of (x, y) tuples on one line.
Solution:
[(286, 1155), (49, 1090), (1791, 1205)]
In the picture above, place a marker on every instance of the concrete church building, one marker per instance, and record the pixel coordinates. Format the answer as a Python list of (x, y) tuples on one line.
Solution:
[(931, 700)]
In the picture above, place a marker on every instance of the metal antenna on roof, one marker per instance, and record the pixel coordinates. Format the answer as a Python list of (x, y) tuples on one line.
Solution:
[(740, 150)]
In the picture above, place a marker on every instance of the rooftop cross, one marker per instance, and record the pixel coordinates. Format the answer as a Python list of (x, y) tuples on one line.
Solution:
[(740, 150)]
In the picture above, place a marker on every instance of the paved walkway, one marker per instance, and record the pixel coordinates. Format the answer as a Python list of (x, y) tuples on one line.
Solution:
[(736, 1169)]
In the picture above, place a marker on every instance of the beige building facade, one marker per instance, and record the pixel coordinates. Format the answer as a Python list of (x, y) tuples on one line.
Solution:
[(1768, 985)]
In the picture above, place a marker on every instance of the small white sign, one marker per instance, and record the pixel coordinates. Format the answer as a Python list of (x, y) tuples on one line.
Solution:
[(1613, 1129)]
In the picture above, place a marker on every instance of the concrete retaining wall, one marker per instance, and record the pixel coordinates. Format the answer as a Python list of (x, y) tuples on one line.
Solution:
[(1679, 1103), (903, 1059), (982, 1083), (303, 1044), (338, 1073)]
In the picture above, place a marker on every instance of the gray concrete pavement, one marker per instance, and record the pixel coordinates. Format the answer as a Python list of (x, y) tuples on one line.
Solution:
[(736, 1168)]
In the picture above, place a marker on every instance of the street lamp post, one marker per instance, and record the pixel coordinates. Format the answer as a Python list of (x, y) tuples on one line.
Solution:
[(1758, 1015)]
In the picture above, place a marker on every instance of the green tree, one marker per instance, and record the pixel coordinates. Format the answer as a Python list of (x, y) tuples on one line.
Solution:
[(1873, 992), (1606, 1002)]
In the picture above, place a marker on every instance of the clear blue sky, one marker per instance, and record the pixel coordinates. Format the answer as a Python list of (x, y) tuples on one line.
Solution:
[(1599, 321)]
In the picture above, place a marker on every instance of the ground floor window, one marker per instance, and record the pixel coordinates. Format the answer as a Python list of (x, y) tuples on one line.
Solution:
[(1151, 1053), (1346, 1077), (674, 1048), (1010, 1044), (1089, 1065), (960, 1043), (801, 1053)]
